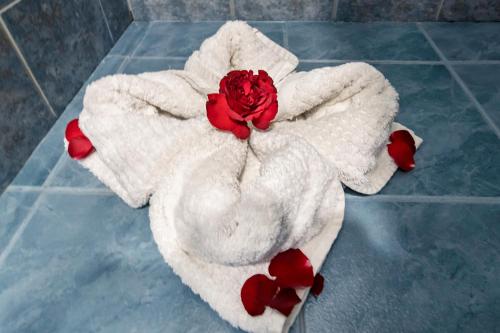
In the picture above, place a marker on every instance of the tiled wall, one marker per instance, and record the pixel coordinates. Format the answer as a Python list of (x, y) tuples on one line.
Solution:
[(339, 10), (48, 48)]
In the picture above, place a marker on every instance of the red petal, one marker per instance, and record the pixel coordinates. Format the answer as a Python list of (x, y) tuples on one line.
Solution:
[(218, 115), (285, 300), (256, 293), (317, 287), (73, 130), (405, 136), (265, 118), (402, 154), (241, 131), (80, 147), (292, 269)]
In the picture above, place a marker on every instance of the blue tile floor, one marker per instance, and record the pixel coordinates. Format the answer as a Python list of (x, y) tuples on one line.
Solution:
[(421, 256)]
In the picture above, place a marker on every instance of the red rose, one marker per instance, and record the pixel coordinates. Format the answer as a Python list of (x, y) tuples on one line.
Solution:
[(243, 97)]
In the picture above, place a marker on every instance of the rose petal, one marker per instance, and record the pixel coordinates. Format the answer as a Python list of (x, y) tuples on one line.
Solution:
[(241, 131), (217, 114), (292, 269), (402, 154), (262, 122), (317, 287), (405, 136), (80, 147), (285, 300), (256, 293), (73, 130)]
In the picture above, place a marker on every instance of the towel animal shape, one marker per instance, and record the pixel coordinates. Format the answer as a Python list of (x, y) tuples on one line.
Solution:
[(221, 207)]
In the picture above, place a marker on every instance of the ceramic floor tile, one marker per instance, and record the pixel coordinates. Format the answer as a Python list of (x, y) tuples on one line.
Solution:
[(14, 206), (141, 65), (89, 263), (406, 267), (273, 30), (175, 39), (375, 41), (466, 41), (484, 82), (130, 39), (46, 155), (71, 174), (460, 154)]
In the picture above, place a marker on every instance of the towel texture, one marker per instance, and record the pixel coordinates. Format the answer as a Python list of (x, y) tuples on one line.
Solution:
[(222, 207)]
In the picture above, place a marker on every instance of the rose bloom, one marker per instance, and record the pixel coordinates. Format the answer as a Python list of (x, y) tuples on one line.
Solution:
[(243, 97)]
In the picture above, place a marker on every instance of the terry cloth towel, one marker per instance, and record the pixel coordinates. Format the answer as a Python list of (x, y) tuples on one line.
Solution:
[(221, 207)]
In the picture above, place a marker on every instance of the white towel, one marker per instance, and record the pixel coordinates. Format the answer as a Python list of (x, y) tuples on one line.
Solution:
[(222, 207)]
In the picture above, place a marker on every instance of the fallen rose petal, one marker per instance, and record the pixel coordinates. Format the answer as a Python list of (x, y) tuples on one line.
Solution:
[(405, 136), (402, 154), (80, 147), (73, 130), (285, 300), (317, 287), (256, 293), (292, 269)]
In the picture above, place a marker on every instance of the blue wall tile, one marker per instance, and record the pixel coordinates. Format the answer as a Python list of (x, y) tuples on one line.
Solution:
[(24, 118), (470, 10), (284, 9), (175, 39), (384, 10), (484, 82), (406, 267), (89, 263), (14, 206), (63, 41), (118, 16), (466, 41), (146, 10), (376, 41), (48, 152)]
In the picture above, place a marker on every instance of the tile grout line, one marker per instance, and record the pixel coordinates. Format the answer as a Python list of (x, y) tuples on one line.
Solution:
[(460, 82), (379, 197), (426, 199), (129, 5), (335, 9), (284, 29), (20, 230), (9, 6), (389, 62), (232, 10), (106, 21), (24, 63), (59, 189), (302, 319), (438, 11)]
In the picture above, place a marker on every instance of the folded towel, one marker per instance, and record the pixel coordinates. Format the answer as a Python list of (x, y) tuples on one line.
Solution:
[(222, 207)]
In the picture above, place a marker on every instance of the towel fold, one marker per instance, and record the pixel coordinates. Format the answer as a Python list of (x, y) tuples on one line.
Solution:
[(222, 207)]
